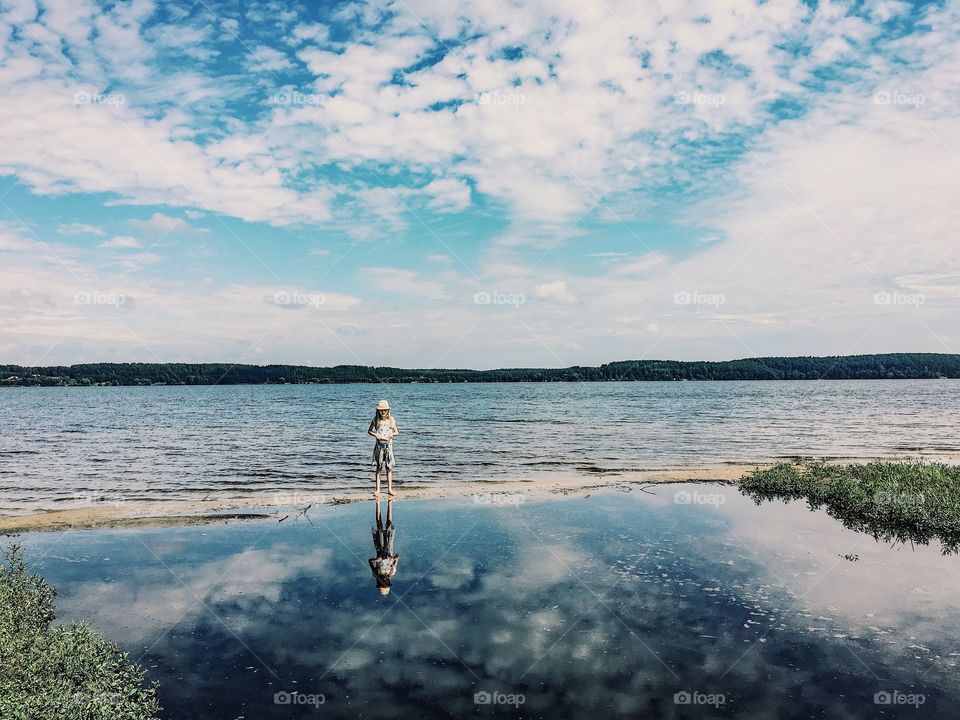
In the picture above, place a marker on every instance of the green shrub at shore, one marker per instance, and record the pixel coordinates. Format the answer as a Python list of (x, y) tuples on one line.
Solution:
[(54, 672), (894, 502)]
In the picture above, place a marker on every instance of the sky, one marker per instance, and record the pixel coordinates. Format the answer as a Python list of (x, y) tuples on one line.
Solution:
[(477, 184)]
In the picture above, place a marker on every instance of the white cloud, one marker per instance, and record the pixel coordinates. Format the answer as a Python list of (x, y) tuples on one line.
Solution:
[(164, 224), (556, 291), (642, 265), (68, 303), (78, 228), (316, 32), (448, 195), (383, 282), (110, 149), (265, 59), (558, 129), (933, 284), (386, 205), (746, 318), (821, 212), (563, 126), (120, 242)]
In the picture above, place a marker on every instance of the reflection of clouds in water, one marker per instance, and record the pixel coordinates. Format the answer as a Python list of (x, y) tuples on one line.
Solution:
[(518, 616), (158, 598), (355, 660), (887, 594), (454, 574)]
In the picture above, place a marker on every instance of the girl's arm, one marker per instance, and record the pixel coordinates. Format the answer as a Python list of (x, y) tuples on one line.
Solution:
[(396, 430), (372, 432)]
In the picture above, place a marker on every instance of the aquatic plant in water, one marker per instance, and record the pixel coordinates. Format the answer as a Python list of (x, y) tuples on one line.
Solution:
[(912, 502)]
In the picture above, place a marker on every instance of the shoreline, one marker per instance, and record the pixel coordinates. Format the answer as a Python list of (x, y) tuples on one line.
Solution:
[(289, 504), (875, 366), (163, 513)]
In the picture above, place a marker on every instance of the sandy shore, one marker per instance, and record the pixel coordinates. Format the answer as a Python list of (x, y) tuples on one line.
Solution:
[(287, 506)]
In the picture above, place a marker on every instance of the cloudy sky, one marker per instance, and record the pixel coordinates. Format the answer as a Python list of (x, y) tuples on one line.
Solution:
[(477, 184)]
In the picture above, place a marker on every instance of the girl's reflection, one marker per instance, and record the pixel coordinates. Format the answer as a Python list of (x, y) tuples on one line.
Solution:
[(384, 565)]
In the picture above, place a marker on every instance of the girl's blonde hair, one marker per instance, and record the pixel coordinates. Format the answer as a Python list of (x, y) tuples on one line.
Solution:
[(376, 415)]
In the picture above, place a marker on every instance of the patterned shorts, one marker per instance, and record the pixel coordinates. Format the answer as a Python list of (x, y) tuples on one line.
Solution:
[(383, 455)]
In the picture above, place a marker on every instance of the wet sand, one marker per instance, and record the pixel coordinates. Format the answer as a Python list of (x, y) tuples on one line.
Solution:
[(287, 506)]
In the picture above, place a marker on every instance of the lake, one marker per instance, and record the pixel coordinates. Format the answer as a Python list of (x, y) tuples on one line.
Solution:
[(61, 447), (690, 603)]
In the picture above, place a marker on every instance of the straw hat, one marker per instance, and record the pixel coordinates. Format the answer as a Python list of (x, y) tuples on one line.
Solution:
[(383, 405)]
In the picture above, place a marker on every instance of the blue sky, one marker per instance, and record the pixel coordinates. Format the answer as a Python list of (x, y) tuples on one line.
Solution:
[(481, 184)]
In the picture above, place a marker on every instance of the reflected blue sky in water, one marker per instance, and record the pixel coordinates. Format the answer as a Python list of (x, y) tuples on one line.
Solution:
[(608, 604)]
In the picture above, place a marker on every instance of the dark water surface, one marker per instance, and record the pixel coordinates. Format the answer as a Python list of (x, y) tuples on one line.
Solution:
[(63, 447), (610, 606)]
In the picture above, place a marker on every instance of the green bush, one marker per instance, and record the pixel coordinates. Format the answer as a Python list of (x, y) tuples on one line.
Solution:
[(56, 672), (904, 502)]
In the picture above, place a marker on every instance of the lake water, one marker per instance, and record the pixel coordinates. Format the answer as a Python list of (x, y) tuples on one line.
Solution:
[(619, 605), (63, 446)]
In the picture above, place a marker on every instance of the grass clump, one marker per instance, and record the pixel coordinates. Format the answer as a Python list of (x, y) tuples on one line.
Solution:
[(53, 672), (895, 502)]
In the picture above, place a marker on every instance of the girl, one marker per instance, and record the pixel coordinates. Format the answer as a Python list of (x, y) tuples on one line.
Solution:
[(384, 565), (384, 429)]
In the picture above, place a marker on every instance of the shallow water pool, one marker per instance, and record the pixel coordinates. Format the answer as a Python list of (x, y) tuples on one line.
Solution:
[(693, 602)]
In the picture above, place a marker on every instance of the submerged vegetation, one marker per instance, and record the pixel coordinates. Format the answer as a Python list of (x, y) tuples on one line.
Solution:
[(894, 502), (52, 672), (900, 366)]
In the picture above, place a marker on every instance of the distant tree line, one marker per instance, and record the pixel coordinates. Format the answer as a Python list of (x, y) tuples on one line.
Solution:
[(852, 367)]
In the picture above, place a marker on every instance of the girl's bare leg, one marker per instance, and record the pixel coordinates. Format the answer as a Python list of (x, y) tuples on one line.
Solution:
[(377, 477), (390, 482)]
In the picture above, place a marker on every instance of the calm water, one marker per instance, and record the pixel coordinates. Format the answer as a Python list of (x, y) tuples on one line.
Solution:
[(610, 606), (61, 446)]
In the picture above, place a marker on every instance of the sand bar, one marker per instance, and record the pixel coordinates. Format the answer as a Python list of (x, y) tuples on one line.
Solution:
[(226, 509), (286, 507)]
